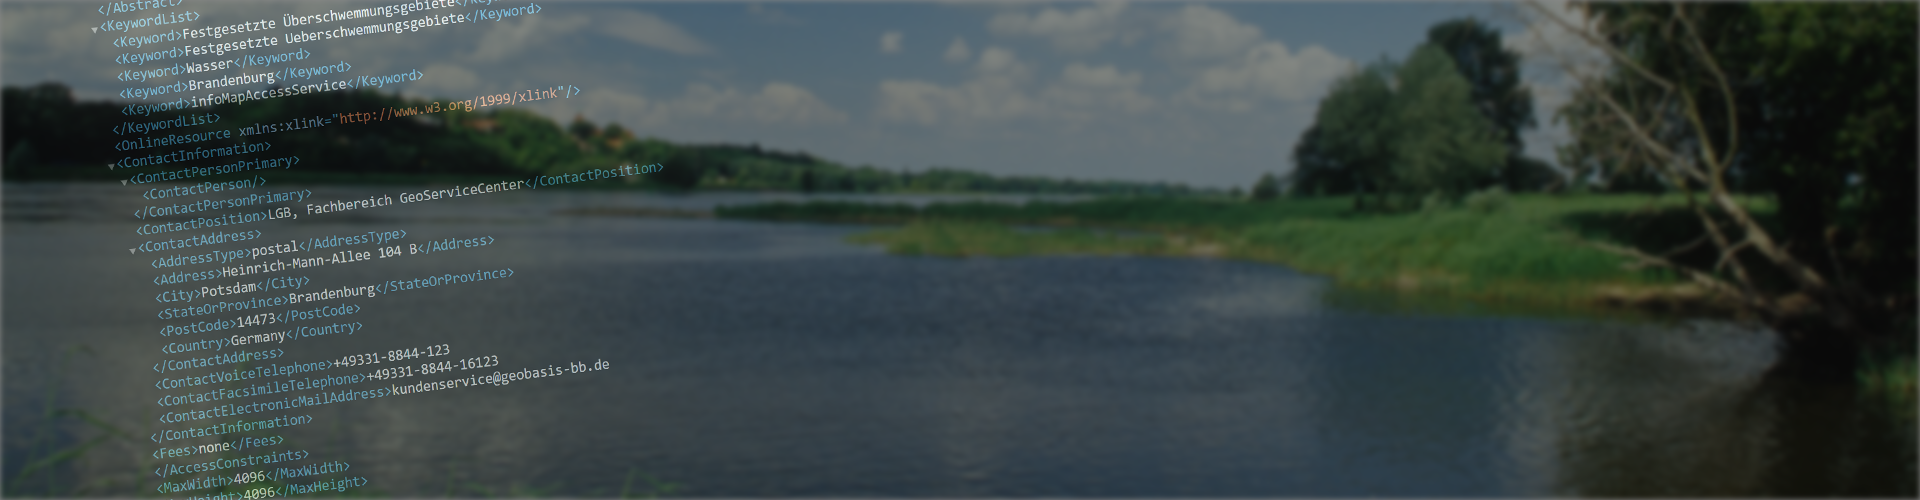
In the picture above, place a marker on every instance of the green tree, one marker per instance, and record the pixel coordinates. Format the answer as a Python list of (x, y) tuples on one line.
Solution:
[(1811, 103), (1440, 144), (1266, 189), (1831, 110), (1314, 171), (807, 181), (582, 129), (1493, 70), (682, 169), (1348, 147), (1398, 134)]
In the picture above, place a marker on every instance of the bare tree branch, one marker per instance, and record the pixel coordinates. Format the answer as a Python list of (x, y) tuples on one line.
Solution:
[(1802, 275), (1686, 247), (1685, 147), (1719, 76), (1720, 242), (1635, 130), (1612, 53), (1708, 281), (1730, 254)]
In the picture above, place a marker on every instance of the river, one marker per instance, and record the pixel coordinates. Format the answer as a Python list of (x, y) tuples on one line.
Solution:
[(764, 359)]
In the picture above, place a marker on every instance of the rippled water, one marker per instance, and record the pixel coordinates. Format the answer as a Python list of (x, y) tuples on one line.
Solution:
[(753, 359)]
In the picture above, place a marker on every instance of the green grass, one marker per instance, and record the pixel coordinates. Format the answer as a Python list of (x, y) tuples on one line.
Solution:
[(1889, 373), (1530, 252), (1523, 252), (48, 454), (960, 238), (1891, 379)]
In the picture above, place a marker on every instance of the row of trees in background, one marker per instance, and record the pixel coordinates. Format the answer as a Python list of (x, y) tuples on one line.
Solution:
[(725, 166), (1444, 123), (48, 135)]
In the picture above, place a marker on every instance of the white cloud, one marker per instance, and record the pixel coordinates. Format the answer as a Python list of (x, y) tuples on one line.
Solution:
[(1547, 44), (1267, 72), (890, 42), (1085, 91), (510, 39), (994, 92), (1233, 66), (958, 52), (780, 102), (775, 103), (447, 80), (982, 99), (1200, 32), (917, 101), (49, 33), (1547, 51), (999, 91), (1229, 66), (1080, 30), (651, 31), (1082, 75), (1000, 62)]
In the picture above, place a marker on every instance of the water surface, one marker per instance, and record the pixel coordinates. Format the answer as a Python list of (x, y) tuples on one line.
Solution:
[(757, 359)]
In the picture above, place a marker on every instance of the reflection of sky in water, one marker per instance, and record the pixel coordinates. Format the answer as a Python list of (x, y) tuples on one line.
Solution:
[(774, 359)]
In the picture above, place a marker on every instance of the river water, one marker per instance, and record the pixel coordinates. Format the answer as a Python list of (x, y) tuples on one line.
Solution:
[(760, 359)]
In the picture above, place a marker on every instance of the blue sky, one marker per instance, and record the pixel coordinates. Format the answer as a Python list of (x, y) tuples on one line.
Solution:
[(1204, 93)]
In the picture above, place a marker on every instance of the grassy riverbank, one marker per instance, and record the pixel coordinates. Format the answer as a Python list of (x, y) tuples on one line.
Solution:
[(1527, 252)]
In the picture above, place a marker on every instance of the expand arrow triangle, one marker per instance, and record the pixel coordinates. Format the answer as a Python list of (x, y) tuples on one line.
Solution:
[(96, 29)]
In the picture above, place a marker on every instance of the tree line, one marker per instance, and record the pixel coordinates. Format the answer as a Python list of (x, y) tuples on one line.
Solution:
[(50, 135)]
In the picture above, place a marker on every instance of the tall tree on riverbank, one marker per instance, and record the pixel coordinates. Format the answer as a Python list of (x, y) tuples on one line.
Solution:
[(1811, 103), (1344, 151), (1395, 134), (1266, 189), (1493, 71)]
